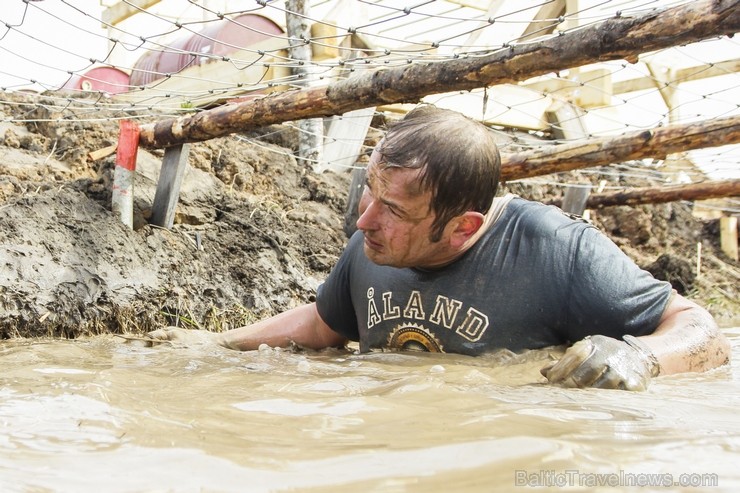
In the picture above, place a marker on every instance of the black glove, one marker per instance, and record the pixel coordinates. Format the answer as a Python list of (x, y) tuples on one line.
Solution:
[(606, 363)]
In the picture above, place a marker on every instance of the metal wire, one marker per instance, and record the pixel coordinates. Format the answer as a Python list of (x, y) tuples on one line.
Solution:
[(395, 34)]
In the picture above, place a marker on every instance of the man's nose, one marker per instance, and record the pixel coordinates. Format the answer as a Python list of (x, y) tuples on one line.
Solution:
[(366, 209)]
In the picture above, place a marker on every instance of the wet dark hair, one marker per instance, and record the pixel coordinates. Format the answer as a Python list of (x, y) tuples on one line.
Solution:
[(458, 158)]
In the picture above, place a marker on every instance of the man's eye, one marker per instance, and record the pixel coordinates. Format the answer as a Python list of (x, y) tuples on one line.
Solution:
[(394, 211)]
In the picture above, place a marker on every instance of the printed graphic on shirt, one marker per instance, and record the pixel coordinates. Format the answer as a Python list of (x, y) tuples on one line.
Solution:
[(413, 338), (417, 314)]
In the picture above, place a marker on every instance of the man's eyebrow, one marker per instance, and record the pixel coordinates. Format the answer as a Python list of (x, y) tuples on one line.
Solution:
[(399, 209)]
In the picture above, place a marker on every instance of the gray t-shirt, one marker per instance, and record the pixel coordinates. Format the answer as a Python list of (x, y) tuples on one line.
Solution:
[(536, 278)]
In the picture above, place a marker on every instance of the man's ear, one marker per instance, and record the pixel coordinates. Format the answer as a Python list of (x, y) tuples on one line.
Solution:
[(466, 226)]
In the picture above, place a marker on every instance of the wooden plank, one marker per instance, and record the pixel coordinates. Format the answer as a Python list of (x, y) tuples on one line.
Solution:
[(168, 186), (728, 236), (599, 82), (588, 88), (491, 11), (542, 23), (663, 76), (697, 72), (344, 139), (326, 40), (101, 153), (574, 199), (119, 12), (566, 121)]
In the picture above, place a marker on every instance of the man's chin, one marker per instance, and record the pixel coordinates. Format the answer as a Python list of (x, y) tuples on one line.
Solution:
[(375, 256)]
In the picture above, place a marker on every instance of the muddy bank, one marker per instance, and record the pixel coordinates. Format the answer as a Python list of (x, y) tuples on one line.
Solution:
[(255, 234)]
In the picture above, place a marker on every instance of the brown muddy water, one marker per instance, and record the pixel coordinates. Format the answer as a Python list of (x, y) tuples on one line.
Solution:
[(98, 415)]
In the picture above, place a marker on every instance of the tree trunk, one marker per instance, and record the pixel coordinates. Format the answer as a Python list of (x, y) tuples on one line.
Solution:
[(655, 143), (621, 37), (310, 130), (657, 195)]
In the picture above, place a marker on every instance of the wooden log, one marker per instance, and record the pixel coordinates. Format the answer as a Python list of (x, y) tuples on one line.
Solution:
[(656, 143), (121, 11), (620, 37), (658, 195)]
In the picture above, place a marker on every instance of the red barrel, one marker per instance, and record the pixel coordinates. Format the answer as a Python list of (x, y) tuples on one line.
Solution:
[(109, 80), (219, 38)]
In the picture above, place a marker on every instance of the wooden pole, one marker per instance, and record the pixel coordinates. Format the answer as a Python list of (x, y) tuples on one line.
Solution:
[(728, 236), (657, 195), (656, 143), (574, 199), (310, 130), (620, 37)]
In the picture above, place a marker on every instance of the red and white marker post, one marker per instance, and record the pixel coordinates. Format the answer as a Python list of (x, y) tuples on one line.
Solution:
[(122, 202)]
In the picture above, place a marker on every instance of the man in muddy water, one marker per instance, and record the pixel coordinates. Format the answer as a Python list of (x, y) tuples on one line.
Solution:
[(438, 264)]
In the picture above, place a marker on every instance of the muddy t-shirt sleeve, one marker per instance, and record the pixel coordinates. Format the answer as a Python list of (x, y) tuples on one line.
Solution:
[(333, 298), (611, 295)]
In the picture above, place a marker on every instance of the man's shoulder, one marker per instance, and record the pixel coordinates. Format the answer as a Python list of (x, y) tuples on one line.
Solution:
[(536, 214)]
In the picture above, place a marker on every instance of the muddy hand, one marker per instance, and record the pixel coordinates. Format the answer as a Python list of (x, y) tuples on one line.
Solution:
[(603, 362), (183, 337)]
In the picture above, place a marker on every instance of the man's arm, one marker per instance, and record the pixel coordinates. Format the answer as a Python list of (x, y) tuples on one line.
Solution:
[(687, 339), (301, 325)]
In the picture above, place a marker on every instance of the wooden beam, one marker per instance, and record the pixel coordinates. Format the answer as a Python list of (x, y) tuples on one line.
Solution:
[(119, 12), (174, 163), (344, 139), (658, 195), (542, 23), (101, 153), (656, 143), (686, 74), (587, 88), (574, 198), (662, 77), (566, 121), (472, 38), (623, 37)]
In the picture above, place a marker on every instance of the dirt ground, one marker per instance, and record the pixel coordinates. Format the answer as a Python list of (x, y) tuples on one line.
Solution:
[(255, 234)]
